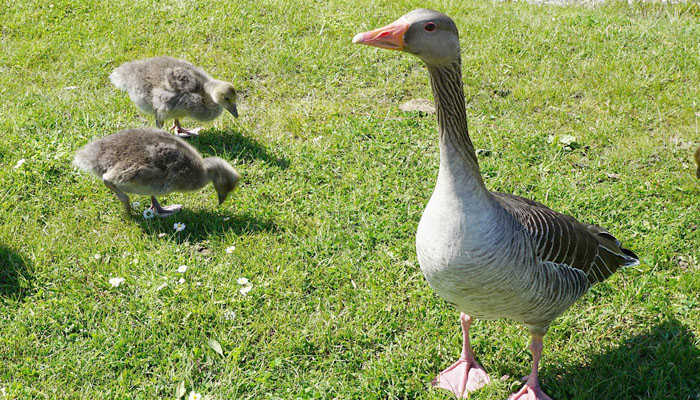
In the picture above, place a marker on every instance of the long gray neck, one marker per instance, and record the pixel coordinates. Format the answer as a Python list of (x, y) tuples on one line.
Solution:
[(459, 168)]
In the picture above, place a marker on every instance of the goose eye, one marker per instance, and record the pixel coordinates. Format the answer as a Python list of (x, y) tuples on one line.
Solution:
[(430, 27)]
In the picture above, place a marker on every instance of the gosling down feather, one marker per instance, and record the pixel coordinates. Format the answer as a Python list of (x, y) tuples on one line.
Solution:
[(493, 255), (152, 162), (169, 88)]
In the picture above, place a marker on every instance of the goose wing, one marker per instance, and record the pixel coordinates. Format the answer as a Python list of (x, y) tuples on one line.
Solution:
[(561, 239)]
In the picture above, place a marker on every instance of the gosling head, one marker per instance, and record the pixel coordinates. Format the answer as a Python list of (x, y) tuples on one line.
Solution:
[(222, 176), (224, 94), (428, 34)]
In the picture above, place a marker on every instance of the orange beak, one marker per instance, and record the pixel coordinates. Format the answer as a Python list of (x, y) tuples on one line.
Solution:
[(388, 37)]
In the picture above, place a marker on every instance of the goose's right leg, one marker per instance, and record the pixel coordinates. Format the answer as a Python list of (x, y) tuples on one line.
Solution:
[(120, 195), (465, 375)]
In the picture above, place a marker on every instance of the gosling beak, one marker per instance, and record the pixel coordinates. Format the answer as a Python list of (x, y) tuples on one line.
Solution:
[(222, 197), (233, 110), (388, 37)]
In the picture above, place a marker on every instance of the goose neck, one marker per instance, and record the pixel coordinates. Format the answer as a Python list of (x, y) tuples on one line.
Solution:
[(458, 163)]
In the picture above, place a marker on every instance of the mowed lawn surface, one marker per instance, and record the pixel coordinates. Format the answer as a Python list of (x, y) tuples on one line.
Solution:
[(335, 178)]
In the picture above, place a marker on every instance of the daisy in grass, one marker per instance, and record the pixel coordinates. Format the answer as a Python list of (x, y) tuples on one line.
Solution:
[(115, 282), (230, 249), (179, 226), (242, 281), (194, 396), (182, 269), (245, 289)]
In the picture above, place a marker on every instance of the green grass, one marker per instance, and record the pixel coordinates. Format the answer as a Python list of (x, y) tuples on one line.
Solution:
[(335, 178)]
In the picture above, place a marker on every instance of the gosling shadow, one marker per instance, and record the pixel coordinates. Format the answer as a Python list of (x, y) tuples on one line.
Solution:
[(201, 224), (15, 274), (243, 147), (662, 363)]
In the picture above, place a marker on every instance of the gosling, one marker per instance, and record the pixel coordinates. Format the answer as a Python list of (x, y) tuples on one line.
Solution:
[(153, 162), (169, 88)]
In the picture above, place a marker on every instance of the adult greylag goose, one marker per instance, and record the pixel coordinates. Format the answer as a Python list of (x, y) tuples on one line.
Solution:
[(493, 255), (153, 162), (170, 88)]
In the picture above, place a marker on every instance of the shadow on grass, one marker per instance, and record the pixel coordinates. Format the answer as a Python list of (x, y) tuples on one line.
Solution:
[(663, 363), (15, 275), (201, 224), (217, 141)]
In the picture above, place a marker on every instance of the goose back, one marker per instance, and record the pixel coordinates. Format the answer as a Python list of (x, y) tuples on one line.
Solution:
[(144, 161), (167, 87)]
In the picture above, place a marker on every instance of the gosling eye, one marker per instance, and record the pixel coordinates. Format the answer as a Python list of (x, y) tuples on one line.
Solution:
[(430, 26)]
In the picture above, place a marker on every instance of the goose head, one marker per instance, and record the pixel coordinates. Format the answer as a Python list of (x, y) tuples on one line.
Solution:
[(222, 176), (224, 94), (428, 34)]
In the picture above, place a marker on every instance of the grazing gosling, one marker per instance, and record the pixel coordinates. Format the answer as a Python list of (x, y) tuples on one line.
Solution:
[(171, 88), (697, 161), (153, 162)]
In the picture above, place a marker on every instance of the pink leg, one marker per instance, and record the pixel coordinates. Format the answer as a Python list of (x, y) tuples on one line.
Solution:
[(532, 390), (182, 132), (465, 375)]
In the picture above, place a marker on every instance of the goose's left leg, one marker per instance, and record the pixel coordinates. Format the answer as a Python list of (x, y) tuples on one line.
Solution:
[(532, 389), (465, 375), (182, 132)]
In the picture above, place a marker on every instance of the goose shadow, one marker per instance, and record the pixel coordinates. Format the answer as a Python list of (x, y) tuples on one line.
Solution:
[(201, 224), (15, 274), (241, 146), (662, 363)]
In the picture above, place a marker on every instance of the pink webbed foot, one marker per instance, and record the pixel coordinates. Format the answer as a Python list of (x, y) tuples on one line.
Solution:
[(462, 378), (528, 392), (185, 133), (166, 211)]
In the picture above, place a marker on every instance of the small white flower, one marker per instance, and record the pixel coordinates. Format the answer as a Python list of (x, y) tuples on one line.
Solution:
[(115, 282), (148, 213), (162, 234), (182, 269), (230, 249), (242, 281), (135, 205), (19, 163), (181, 281), (245, 289), (179, 226), (229, 315), (227, 218), (162, 286), (98, 256), (194, 396)]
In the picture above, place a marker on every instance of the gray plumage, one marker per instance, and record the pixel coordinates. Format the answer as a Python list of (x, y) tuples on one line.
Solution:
[(493, 255), (152, 162), (169, 88)]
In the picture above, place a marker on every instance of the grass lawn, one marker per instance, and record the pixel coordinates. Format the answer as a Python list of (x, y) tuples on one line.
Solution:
[(335, 178)]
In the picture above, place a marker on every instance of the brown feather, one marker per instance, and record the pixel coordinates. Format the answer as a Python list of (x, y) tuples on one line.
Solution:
[(561, 239)]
